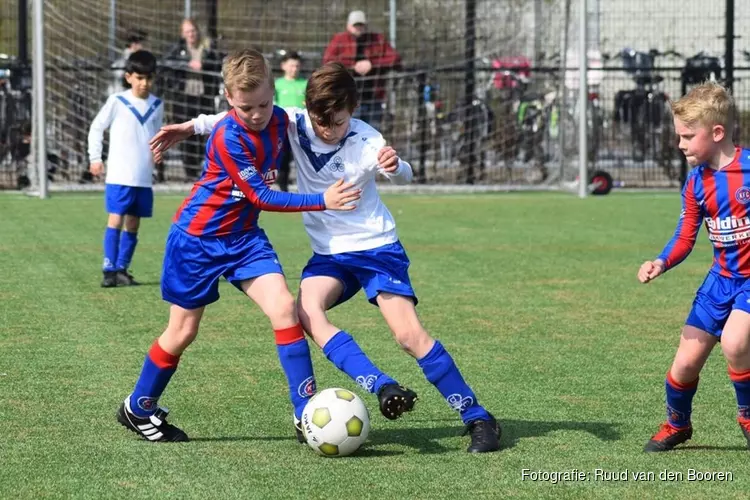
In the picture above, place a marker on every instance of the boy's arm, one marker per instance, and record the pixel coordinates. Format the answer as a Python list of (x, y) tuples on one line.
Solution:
[(204, 124), (238, 161), (402, 175), (681, 244), (386, 161), (96, 132)]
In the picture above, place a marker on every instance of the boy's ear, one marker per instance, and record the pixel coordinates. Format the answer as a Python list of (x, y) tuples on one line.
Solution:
[(718, 132)]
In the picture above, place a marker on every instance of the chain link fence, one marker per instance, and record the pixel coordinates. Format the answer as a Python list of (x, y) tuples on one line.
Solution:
[(483, 91)]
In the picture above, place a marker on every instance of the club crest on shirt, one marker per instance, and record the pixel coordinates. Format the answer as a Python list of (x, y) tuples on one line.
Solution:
[(743, 195), (337, 164)]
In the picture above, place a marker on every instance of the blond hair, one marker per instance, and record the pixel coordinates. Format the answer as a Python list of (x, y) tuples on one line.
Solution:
[(707, 104), (204, 43), (246, 70)]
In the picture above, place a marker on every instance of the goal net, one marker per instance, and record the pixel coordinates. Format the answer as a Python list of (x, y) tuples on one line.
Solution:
[(482, 94)]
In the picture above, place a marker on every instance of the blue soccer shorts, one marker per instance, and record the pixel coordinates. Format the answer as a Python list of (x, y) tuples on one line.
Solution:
[(193, 264), (129, 200), (716, 298), (382, 269)]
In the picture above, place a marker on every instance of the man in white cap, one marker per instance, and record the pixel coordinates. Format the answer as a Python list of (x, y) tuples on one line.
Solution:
[(369, 57)]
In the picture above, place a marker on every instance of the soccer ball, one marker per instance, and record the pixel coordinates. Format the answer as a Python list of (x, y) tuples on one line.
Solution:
[(335, 422)]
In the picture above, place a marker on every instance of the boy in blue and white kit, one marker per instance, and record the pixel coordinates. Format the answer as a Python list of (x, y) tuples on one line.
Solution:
[(359, 250), (132, 117)]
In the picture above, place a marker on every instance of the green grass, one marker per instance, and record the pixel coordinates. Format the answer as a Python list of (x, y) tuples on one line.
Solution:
[(534, 295)]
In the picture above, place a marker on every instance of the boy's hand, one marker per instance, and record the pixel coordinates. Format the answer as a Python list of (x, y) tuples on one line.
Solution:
[(96, 168), (168, 136), (338, 195), (650, 270), (388, 159)]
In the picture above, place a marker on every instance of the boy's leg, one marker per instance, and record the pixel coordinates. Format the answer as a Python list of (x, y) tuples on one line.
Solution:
[(128, 242), (111, 246), (140, 411), (190, 281), (439, 369), (735, 343), (142, 205), (272, 295), (317, 294), (681, 385)]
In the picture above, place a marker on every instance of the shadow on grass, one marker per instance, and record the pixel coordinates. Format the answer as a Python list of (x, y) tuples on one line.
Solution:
[(709, 448), (426, 439)]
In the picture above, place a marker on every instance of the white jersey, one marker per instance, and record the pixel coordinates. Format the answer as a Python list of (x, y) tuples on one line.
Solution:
[(132, 122), (355, 159)]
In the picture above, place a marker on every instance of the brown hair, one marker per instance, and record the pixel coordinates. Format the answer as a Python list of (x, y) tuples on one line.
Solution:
[(330, 89), (707, 104)]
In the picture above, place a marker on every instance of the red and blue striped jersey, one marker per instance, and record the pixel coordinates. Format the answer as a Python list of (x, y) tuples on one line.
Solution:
[(720, 198), (233, 188)]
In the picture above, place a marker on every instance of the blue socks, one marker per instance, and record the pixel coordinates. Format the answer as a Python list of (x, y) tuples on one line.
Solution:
[(128, 241), (294, 354), (741, 382), (158, 368), (119, 247), (441, 371), (111, 248), (347, 356), (679, 401)]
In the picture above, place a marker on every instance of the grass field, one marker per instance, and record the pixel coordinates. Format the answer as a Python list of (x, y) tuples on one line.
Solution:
[(534, 295)]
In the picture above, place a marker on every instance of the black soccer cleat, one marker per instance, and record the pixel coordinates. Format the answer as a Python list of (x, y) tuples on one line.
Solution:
[(668, 437), (154, 428), (395, 400), (124, 278), (110, 279), (485, 435), (298, 430)]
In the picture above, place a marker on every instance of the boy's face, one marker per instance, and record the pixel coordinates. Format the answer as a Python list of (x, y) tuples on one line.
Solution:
[(140, 84), (332, 134), (290, 67), (254, 107), (699, 143)]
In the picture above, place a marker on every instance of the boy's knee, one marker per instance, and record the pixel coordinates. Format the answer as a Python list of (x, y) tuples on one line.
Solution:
[(685, 371), (284, 308), (412, 339), (181, 335), (736, 352)]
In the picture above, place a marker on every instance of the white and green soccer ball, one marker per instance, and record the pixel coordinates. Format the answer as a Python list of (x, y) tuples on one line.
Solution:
[(335, 422)]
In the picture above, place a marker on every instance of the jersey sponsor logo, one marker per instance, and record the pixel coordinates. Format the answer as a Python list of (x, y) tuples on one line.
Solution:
[(729, 231), (247, 172), (726, 223), (743, 195), (307, 388), (269, 178), (337, 164)]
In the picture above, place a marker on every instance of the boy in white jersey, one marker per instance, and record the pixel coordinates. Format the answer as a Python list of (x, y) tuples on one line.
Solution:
[(359, 250), (132, 117)]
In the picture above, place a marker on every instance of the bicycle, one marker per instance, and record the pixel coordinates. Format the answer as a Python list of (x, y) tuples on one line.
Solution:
[(646, 108), (15, 120)]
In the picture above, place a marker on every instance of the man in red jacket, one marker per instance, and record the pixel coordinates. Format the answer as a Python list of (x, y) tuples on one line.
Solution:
[(369, 56)]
